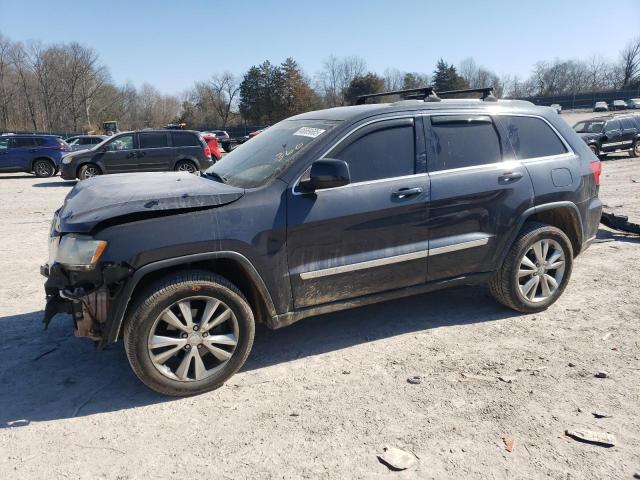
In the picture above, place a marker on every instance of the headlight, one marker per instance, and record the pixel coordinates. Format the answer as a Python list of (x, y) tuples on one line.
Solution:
[(79, 252), (66, 159)]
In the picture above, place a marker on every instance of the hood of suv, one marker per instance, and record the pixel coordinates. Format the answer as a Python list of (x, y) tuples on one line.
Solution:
[(107, 197)]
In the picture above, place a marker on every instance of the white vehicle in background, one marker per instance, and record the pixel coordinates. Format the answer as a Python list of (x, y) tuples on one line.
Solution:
[(557, 107), (619, 105), (601, 107), (633, 103)]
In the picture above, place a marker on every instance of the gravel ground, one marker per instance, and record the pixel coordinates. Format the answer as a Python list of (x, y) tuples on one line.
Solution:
[(320, 399)]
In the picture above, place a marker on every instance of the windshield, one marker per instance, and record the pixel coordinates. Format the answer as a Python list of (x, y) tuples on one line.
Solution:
[(265, 156), (589, 127)]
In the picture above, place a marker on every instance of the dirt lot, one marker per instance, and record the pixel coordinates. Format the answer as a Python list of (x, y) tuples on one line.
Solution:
[(321, 398)]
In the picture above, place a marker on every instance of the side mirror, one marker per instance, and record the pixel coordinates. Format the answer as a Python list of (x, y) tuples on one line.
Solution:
[(327, 173)]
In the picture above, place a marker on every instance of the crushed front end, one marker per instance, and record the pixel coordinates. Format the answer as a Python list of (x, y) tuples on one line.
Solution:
[(79, 284)]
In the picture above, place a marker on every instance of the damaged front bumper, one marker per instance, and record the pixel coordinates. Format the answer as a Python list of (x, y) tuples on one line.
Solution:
[(86, 295)]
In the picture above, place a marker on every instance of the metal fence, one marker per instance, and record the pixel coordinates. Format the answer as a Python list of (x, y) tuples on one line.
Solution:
[(585, 100)]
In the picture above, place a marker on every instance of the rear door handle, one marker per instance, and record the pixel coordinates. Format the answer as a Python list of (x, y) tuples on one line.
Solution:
[(407, 192), (510, 177)]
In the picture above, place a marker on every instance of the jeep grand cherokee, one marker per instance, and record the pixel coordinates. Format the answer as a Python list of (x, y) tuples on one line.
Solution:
[(323, 211)]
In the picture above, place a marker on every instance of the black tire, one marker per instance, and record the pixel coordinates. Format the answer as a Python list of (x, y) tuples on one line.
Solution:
[(43, 168), (595, 150), (635, 149), (186, 166), (505, 286), (158, 297), (89, 170)]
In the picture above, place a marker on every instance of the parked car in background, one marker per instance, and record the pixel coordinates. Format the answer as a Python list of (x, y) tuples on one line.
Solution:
[(84, 142), (212, 141), (619, 105), (557, 107), (221, 134), (611, 134), (324, 211), (140, 151), (601, 107), (37, 154), (633, 103)]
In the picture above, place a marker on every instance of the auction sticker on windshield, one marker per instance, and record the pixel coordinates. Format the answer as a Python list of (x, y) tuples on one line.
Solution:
[(309, 132)]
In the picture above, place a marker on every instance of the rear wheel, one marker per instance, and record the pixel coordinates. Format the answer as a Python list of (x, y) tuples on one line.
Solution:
[(635, 150), (186, 166), (188, 333), (44, 168), (595, 150), (89, 170), (536, 269)]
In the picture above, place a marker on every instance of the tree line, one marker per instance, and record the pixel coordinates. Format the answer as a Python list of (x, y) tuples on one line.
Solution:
[(65, 87)]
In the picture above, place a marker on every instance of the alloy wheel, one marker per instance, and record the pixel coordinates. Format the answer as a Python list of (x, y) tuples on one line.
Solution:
[(193, 338), (541, 270), (186, 167), (90, 171), (43, 169)]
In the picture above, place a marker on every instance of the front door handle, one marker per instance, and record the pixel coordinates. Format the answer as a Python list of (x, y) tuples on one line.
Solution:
[(509, 177), (407, 192)]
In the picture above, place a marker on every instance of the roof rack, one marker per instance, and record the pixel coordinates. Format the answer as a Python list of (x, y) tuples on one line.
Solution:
[(428, 94)]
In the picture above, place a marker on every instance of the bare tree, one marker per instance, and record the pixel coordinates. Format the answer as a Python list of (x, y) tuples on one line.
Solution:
[(630, 62), (336, 76), (225, 89)]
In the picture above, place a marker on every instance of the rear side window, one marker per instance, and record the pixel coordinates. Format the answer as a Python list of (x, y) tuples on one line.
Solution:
[(532, 137), (41, 142), (384, 152), (627, 123), (153, 140), (184, 139), (21, 142), (463, 141)]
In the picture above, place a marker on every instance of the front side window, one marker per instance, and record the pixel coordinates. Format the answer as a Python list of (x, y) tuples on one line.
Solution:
[(590, 126), (153, 140), (385, 150), (4, 143), (463, 141), (532, 137), (263, 157), (123, 142)]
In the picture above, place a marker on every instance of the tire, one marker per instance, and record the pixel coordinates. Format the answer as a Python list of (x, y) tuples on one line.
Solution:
[(186, 166), (89, 170), (595, 150), (43, 168), (227, 147), (635, 149), (510, 288), (145, 321)]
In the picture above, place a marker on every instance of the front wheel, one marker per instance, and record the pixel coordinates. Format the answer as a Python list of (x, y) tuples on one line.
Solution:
[(89, 170), (536, 269), (44, 168), (188, 333), (186, 166), (595, 150)]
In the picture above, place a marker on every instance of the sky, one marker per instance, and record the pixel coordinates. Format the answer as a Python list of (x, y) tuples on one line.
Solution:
[(173, 43)]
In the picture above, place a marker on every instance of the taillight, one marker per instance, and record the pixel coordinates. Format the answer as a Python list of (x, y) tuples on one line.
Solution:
[(207, 151), (596, 168)]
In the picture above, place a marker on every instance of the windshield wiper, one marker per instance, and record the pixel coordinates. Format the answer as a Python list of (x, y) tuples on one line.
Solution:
[(216, 177)]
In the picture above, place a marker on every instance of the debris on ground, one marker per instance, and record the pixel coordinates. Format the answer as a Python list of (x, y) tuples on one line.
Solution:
[(619, 222), (415, 380), (509, 443), (506, 379), (606, 336), (602, 374), (589, 436), (598, 414), (396, 459)]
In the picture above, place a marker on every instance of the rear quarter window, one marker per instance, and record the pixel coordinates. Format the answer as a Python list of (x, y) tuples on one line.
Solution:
[(532, 137), (185, 139)]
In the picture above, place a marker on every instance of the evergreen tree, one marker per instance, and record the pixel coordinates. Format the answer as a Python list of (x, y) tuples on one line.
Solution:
[(445, 77), (362, 85)]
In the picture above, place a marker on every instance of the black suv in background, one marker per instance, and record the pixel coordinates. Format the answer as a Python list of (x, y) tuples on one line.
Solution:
[(611, 134), (141, 151), (324, 211)]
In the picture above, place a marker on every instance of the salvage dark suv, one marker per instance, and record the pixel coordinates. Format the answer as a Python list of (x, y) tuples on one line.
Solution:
[(324, 211), (143, 151)]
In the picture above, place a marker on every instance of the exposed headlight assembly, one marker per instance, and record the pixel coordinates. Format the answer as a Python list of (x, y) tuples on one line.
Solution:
[(67, 159), (79, 252)]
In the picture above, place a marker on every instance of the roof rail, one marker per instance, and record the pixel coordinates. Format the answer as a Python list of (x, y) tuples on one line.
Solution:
[(421, 93), (487, 93), (428, 94)]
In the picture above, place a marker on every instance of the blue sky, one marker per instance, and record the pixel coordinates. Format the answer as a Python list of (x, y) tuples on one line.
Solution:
[(172, 43)]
